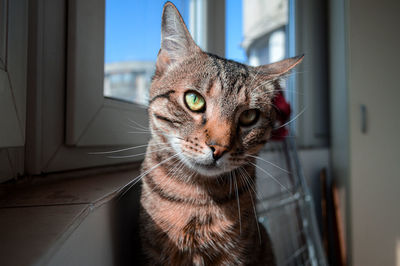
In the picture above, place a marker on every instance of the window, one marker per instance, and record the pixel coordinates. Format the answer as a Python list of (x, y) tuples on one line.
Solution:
[(82, 100), (68, 115)]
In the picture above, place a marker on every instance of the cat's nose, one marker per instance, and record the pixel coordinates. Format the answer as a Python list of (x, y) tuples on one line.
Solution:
[(217, 151)]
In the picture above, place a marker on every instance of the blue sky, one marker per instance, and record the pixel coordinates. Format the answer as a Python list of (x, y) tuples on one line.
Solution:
[(133, 29), (234, 31)]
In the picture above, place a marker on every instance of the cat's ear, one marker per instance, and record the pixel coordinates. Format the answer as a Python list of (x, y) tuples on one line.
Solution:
[(280, 68), (176, 42)]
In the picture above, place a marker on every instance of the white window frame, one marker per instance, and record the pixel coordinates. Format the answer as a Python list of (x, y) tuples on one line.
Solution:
[(68, 116), (92, 119), (207, 25), (55, 141)]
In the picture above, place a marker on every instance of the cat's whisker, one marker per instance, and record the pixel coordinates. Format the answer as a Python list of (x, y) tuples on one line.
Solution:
[(137, 154), (168, 175), (238, 202), (289, 90), (275, 107), (188, 178), (273, 178), (120, 150), (144, 129), (137, 132), (248, 185), (291, 73), (139, 129), (268, 82), (252, 182), (172, 136), (294, 72), (137, 124), (291, 120), (179, 167), (155, 131), (128, 186), (176, 169), (126, 149), (255, 77), (271, 163), (230, 184), (171, 171), (283, 77)]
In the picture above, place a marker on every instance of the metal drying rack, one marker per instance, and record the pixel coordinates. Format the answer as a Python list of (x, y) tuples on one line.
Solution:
[(286, 209)]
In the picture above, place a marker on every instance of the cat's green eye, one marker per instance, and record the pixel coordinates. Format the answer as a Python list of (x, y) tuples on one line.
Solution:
[(249, 117), (195, 101)]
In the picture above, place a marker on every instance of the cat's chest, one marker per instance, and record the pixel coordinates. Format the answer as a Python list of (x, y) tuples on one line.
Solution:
[(190, 225)]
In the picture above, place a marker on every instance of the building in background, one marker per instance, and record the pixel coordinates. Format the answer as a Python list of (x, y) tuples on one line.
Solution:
[(128, 81), (265, 30)]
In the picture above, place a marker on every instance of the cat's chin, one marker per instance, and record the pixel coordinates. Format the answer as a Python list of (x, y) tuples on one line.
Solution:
[(209, 170)]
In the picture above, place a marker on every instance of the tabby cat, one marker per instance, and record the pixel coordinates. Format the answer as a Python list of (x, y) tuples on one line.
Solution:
[(208, 117)]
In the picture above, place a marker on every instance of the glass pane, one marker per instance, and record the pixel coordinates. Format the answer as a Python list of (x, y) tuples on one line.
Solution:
[(257, 31), (260, 32), (132, 41)]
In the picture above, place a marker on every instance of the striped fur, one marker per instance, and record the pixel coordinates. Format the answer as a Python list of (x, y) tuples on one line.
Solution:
[(197, 210)]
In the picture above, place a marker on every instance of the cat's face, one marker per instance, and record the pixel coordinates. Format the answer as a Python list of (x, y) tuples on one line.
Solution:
[(212, 111)]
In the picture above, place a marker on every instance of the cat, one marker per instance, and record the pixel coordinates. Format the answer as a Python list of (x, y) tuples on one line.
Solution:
[(208, 117)]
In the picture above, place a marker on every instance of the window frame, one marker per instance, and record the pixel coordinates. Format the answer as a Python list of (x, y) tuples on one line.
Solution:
[(310, 100), (13, 77), (53, 143), (13, 61), (93, 119), (47, 150), (207, 25)]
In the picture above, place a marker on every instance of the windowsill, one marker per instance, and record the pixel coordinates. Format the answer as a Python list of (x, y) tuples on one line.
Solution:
[(38, 215)]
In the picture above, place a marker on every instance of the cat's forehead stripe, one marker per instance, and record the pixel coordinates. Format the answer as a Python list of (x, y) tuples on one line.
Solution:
[(232, 75)]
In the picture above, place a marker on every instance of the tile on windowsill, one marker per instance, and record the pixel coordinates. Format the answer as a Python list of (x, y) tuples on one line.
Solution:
[(82, 190)]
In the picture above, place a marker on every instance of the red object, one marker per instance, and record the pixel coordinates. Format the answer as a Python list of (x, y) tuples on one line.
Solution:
[(283, 115)]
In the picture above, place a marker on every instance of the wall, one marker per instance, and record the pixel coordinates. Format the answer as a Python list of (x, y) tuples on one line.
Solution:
[(107, 236), (373, 58)]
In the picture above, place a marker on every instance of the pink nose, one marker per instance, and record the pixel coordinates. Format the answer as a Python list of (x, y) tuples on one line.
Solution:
[(218, 151)]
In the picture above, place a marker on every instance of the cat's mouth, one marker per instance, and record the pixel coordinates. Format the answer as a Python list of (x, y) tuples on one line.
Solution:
[(209, 169), (212, 165)]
